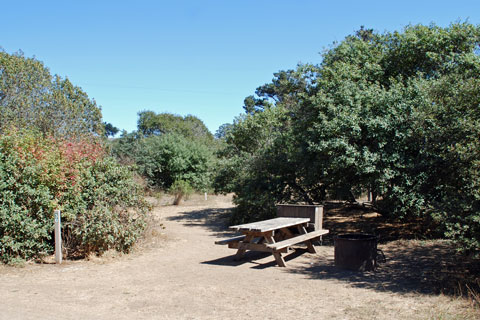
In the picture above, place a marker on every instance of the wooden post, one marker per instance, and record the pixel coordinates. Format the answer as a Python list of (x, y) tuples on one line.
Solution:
[(58, 237), (205, 196)]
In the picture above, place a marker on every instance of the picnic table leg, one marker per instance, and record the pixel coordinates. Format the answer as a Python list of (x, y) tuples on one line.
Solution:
[(279, 259), (241, 248), (277, 255), (310, 247)]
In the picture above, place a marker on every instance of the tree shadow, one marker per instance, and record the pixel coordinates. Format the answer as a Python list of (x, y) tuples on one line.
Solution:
[(426, 267), (255, 257), (214, 219), (412, 266)]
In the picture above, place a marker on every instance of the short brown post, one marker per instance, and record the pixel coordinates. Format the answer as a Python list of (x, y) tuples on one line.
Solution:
[(58, 237)]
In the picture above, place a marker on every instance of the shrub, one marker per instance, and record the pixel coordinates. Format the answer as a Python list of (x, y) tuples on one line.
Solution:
[(107, 211), (102, 207), (180, 189), (168, 158)]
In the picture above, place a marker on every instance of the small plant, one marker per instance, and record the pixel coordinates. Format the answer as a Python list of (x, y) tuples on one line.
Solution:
[(180, 189)]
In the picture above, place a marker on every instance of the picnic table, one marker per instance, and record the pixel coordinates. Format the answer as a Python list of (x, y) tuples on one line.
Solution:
[(273, 235)]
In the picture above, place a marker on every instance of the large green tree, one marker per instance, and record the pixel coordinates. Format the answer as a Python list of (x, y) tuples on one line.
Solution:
[(395, 113), (30, 97)]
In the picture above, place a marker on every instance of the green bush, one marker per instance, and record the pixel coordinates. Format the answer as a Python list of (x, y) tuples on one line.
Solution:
[(171, 157), (101, 206), (107, 211), (180, 189), (26, 219)]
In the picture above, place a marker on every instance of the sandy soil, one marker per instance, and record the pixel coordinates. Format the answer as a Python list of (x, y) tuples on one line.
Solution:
[(179, 273)]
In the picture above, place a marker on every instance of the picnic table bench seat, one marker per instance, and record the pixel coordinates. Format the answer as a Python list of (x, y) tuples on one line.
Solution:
[(297, 239), (229, 240), (233, 242)]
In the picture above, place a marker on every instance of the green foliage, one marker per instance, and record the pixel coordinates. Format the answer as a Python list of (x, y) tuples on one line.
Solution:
[(125, 147), (110, 129), (394, 113), (169, 148), (102, 207), (59, 164), (246, 168), (26, 209), (222, 131), (106, 211), (180, 189), (191, 127), (31, 98), (171, 157)]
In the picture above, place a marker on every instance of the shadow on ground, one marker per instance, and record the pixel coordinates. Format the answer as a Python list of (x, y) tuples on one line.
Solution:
[(412, 266), (255, 258), (215, 220), (427, 267)]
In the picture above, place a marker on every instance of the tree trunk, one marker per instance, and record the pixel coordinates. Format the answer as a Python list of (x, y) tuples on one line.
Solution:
[(178, 198)]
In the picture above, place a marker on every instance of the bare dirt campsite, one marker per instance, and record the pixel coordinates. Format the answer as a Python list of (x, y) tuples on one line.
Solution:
[(179, 273)]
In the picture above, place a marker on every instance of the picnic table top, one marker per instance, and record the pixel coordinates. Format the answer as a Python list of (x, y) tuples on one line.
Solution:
[(270, 224)]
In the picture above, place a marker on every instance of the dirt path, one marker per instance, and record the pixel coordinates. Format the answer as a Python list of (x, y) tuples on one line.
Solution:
[(183, 275)]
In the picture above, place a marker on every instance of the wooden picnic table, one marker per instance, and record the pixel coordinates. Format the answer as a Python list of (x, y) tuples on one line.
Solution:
[(273, 235)]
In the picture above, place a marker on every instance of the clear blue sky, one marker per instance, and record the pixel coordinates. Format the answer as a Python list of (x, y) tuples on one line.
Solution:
[(195, 57)]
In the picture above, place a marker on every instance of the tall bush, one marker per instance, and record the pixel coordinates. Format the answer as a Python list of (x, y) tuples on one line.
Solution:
[(168, 158), (102, 207)]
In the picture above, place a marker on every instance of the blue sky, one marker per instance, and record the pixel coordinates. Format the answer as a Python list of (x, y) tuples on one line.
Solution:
[(195, 57)]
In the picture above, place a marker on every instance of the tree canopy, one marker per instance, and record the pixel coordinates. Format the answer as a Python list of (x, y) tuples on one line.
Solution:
[(110, 129), (169, 149), (30, 97), (165, 159), (151, 123), (394, 113)]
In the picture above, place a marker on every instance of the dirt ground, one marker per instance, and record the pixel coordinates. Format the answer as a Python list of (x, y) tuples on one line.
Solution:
[(179, 273)]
